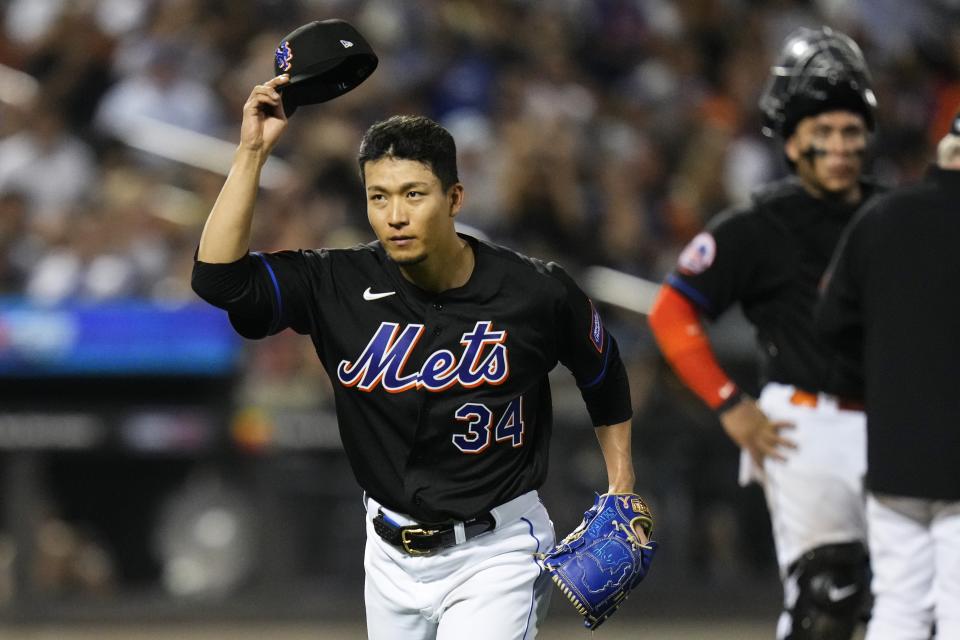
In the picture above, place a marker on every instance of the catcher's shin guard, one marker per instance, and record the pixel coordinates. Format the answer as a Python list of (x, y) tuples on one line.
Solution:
[(825, 593)]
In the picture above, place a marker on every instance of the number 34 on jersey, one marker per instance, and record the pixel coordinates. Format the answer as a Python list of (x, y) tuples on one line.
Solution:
[(484, 360)]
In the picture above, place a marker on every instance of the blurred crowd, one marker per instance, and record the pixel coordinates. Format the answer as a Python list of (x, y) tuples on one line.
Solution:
[(591, 132)]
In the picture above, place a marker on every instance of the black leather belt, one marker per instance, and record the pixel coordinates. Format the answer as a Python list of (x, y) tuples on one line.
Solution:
[(422, 539)]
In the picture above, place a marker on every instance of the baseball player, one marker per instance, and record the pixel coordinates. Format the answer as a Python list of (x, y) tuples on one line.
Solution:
[(803, 438), (891, 293), (438, 346)]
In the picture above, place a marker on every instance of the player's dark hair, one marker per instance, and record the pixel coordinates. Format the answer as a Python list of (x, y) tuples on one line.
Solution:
[(412, 138)]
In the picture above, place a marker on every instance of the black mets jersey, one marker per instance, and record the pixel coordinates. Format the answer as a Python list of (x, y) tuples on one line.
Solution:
[(770, 257), (442, 399)]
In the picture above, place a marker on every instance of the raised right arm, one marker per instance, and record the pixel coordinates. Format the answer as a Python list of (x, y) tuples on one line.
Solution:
[(226, 235), (248, 286)]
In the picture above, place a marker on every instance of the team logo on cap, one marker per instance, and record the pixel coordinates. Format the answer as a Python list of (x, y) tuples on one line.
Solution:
[(698, 254), (346, 44), (284, 56)]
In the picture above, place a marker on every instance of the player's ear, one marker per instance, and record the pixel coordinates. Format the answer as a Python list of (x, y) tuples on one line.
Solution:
[(792, 148), (455, 198)]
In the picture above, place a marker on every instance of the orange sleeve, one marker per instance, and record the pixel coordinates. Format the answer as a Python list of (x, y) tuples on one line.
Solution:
[(676, 325)]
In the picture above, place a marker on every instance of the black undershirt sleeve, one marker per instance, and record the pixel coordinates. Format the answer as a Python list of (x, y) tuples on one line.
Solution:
[(591, 353), (263, 293), (235, 288)]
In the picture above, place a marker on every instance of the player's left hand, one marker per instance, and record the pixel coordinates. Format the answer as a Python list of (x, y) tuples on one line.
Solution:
[(605, 557), (754, 432)]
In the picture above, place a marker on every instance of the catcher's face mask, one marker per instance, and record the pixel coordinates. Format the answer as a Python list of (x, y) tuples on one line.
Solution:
[(817, 71)]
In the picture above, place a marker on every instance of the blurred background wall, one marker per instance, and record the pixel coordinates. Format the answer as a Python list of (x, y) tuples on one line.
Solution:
[(153, 466)]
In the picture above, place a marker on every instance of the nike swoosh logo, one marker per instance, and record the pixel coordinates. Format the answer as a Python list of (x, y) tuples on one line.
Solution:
[(836, 594), (369, 295)]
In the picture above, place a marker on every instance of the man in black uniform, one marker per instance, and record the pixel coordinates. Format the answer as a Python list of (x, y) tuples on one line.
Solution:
[(891, 294), (769, 256), (439, 346)]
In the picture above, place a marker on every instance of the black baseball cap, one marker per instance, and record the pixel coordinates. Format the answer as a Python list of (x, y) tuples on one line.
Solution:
[(324, 59)]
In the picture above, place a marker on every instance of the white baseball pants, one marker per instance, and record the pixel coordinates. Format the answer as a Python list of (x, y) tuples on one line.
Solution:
[(487, 587), (816, 496), (915, 554)]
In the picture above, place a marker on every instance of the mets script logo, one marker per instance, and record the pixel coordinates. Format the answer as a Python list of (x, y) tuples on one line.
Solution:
[(483, 360), (284, 56)]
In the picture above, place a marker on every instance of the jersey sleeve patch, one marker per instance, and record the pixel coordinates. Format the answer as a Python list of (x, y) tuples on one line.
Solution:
[(698, 255), (596, 328)]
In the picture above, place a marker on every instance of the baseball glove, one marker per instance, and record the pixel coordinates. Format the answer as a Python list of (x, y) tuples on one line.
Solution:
[(603, 559)]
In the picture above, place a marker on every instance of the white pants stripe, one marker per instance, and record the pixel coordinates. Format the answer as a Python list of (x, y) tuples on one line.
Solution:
[(533, 592), (915, 551), (488, 587)]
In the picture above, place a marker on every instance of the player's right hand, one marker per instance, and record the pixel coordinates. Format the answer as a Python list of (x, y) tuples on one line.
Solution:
[(753, 431), (263, 117)]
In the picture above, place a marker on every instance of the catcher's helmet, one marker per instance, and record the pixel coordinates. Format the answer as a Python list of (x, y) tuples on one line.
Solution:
[(818, 70)]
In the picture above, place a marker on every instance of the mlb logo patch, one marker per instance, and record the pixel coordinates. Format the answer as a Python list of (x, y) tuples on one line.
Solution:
[(698, 255)]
